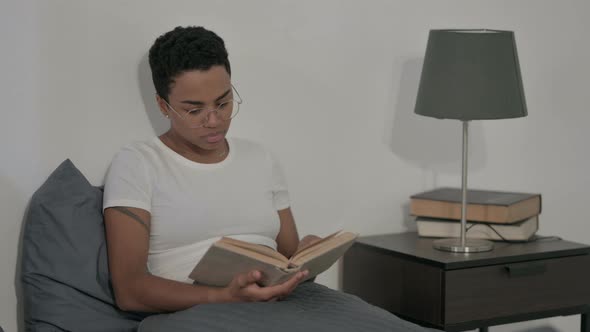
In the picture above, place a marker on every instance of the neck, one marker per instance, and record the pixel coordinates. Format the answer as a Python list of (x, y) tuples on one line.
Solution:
[(225, 149), (193, 152)]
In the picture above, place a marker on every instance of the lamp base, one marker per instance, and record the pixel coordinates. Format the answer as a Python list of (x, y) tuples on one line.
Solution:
[(471, 245)]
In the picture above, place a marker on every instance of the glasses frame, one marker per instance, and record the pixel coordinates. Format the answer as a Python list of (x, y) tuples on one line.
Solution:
[(238, 101)]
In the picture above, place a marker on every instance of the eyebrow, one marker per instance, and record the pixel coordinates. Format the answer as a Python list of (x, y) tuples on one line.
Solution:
[(200, 103)]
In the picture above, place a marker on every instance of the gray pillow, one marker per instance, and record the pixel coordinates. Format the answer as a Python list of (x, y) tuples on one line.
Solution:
[(64, 271)]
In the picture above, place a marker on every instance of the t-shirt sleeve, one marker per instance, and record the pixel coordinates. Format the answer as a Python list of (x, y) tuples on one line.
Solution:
[(280, 191), (127, 182)]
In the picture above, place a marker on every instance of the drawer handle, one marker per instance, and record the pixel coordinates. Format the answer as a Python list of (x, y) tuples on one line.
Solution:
[(525, 269)]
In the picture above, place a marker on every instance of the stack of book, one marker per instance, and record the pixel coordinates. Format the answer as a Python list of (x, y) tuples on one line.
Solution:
[(491, 215)]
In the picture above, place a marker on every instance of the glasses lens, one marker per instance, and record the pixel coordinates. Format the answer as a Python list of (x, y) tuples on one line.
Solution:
[(226, 110), (234, 107), (199, 118)]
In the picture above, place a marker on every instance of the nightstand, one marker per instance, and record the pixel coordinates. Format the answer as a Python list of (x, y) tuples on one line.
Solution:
[(515, 282)]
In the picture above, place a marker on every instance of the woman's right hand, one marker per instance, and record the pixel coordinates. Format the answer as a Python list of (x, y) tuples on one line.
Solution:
[(244, 287)]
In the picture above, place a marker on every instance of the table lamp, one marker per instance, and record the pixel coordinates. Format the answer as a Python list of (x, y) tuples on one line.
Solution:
[(470, 75)]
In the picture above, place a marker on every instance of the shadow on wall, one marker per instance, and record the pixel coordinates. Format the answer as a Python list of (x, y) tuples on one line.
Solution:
[(20, 309), (432, 145), (148, 95), (408, 222)]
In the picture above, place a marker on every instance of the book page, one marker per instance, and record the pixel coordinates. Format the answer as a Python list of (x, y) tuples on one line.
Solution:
[(311, 246), (257, 248), (320, 260), (257, 253), (320, 248)]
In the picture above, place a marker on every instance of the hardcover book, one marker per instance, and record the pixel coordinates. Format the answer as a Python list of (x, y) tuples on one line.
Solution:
[(519, 231), (482, 205), (229, 257)]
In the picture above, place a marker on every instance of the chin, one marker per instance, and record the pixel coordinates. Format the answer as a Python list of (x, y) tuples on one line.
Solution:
[(213, 145)]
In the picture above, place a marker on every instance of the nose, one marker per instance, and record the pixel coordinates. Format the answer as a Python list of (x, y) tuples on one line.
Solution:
[(213, 119)]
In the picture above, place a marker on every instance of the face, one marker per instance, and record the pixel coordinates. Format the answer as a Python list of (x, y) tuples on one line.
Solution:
[(199, 89)]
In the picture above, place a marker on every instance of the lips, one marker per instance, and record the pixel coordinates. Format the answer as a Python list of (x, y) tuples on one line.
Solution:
[(214, 138)]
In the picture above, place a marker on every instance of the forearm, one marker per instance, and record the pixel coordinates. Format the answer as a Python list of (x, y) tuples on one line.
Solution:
[(127, 231), (149, 293), (287, 245), (287, 239)]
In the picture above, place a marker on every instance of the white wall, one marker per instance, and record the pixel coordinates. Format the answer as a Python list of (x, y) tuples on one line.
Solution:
[(328, 85)]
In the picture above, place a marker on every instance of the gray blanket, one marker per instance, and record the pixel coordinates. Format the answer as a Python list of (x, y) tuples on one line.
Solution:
[(311, 307)]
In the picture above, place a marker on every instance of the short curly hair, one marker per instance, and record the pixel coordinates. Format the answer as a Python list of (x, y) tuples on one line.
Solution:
[(184, 49)]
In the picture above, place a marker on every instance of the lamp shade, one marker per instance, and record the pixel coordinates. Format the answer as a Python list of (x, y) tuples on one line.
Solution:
[(471, 75)]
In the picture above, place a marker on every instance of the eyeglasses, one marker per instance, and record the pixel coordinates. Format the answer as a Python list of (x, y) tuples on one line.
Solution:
[(199, 117)]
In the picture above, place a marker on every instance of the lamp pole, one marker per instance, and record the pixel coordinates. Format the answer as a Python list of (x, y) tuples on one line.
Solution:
[(464, 183), (462, 244)]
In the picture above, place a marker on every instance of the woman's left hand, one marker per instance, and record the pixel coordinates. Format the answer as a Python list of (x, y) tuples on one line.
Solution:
[(307, 241)]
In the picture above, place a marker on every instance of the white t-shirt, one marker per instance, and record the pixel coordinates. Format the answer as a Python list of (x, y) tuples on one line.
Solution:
[(192, 204)]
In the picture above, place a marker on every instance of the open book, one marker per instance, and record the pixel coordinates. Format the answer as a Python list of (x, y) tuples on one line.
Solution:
[(229, 257)]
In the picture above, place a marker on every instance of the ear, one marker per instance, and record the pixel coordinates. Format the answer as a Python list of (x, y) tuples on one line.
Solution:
[(162, 105)]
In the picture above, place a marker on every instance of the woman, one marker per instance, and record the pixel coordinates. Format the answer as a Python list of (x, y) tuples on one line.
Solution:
[(167, 200)]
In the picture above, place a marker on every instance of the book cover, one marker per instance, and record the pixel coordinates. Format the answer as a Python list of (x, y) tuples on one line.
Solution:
[(229, 257), (519, 231), (482, 205)]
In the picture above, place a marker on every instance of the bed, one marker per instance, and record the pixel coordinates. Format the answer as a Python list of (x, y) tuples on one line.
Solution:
[(66, 285)]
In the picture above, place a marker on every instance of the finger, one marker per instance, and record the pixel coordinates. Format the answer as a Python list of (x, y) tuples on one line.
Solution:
[(310, 239), (288, 286), (248, 278), (284, 289), (299, 278), (269, 292)]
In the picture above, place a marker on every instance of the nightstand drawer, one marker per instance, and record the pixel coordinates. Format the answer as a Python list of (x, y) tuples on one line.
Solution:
[(481, 293)]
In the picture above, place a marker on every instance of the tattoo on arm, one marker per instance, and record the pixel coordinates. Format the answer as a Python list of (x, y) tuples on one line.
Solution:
[(135, 217)]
